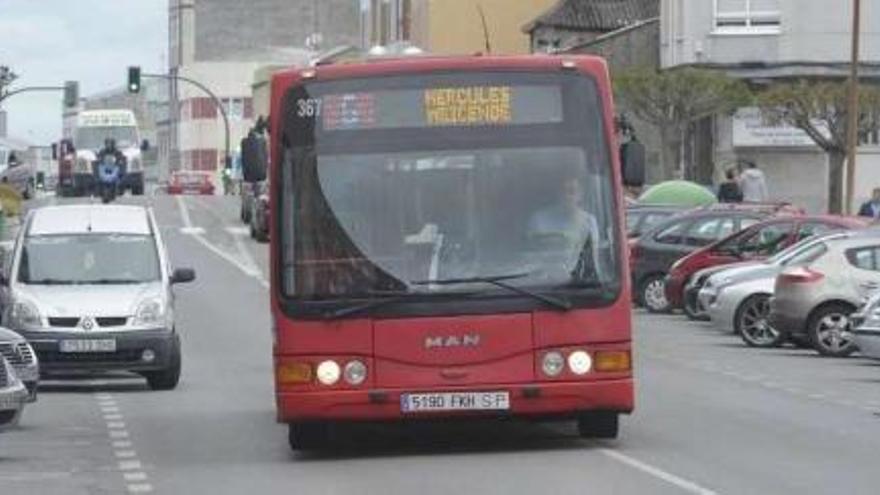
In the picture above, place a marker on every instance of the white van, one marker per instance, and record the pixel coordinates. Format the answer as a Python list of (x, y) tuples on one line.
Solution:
[(92, 129)]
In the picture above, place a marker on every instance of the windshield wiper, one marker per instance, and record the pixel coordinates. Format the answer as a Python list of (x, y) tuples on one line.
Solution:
[(391, 298), (50, 281), (500, 281), (112, 281)]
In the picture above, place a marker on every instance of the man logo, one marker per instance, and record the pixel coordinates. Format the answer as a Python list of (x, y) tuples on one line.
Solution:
[(445, 342)]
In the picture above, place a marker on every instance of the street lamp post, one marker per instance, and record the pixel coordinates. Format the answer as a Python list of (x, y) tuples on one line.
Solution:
[(852, 137)]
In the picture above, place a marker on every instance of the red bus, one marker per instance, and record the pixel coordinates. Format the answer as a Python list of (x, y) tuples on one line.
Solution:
[(447, 241)]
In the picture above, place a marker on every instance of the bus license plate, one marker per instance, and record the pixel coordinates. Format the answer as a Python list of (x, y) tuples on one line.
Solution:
[(91, 345), (455, 401)]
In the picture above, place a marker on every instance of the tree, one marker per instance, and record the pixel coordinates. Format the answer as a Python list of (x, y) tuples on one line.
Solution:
[(673, 101), (6, 78), (820, 110)]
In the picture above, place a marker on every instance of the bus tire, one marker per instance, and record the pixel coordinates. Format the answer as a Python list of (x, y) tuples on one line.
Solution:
[(308, 436), (598, 424)]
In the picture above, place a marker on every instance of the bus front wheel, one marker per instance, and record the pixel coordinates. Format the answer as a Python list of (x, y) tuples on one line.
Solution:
[(598, 424), (308, 436)]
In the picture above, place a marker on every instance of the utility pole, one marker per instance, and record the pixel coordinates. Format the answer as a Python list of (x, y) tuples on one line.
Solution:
[(852, 138)]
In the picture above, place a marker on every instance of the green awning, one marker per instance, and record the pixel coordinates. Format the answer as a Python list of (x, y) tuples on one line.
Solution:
[(678, 192)]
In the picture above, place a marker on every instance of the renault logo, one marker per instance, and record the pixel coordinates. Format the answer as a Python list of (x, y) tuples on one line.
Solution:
[(446, 341), (87, 323)]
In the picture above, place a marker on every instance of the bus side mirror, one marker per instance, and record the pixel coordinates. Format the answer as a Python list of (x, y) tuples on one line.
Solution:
[(145, 145), (632, 159), (253, 158)]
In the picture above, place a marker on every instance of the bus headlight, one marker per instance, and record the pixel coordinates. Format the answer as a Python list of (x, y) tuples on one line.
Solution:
[(552, 364), (328, 372), (355, 372), (579, 362)]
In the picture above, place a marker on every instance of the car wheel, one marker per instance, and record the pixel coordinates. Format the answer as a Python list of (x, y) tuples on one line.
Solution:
[(753, 323), (168, 378), (829, 330), (692, 307), (308, 436), (653, 292), (598, 424)]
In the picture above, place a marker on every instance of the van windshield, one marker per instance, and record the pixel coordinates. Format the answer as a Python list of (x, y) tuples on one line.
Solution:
[(89, 259)]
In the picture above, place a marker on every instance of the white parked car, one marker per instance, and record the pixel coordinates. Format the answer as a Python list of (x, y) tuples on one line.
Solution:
[(866, 323), (22, 357), (90, 287), (13, 395)]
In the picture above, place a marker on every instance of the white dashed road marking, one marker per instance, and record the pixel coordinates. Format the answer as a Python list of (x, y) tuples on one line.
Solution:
[(136, 480)]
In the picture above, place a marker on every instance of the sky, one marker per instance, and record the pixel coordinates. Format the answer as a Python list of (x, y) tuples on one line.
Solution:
[(47, 42)]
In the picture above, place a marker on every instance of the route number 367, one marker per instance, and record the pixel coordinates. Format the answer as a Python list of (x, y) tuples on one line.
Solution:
[(308, 108)]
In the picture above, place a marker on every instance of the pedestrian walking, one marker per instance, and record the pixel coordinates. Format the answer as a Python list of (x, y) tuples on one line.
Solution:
[(753, 184), (871, 208), (729, 190)]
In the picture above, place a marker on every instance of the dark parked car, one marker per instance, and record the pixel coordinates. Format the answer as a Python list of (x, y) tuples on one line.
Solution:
[(755, 243), (657, 249), (640, 218), (250, 191)]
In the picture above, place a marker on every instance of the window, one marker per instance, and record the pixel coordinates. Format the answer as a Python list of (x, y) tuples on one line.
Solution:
[(809, 255), (767, 240), (865, 258), (747, 16), (671, 234), (810, 229), (703, 232)]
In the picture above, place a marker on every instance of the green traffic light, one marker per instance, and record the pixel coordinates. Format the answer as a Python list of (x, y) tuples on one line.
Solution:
[(134, 79)]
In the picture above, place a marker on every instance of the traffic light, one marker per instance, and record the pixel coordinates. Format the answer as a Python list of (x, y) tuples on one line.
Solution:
[(71, 94), (134, 79)]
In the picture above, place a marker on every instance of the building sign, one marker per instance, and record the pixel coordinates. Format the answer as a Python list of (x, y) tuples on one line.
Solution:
[(750, 129)]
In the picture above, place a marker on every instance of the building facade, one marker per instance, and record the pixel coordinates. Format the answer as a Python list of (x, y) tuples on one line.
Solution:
[(220, 44), (451, 27), (768, 41)]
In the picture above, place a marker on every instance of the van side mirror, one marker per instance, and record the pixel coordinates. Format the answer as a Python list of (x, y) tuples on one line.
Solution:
[(632, 160), (254, 160), (145, 145), (183, 276)]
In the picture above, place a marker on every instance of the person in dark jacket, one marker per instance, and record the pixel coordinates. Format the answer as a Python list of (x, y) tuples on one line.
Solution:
[(729, 191), (871, 208)]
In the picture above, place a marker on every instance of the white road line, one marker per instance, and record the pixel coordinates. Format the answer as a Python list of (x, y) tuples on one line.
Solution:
[(126, 454), (116, 425), (118, 434), (686, 485), (130, 466), (140, 488), (122, 444), (136, 476), (184, 213), (113, 417)]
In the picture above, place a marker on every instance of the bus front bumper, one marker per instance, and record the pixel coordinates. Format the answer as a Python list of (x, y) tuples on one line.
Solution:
[(533, 400)]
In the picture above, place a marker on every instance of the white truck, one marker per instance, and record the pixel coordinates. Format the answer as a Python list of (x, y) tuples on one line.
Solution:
[(93, 127)]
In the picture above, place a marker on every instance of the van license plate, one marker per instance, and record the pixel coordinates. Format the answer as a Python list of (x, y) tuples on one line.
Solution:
[(455, 401), (90, 345)]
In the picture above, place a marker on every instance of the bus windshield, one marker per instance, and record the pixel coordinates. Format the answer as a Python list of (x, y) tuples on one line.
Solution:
[(380, 200)]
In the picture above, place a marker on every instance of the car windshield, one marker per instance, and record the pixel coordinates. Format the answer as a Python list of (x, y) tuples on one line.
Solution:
[(88, 259), (92, 138)]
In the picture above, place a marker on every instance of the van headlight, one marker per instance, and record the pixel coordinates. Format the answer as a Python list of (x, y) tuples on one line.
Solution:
[(24, 315), (150, 312)]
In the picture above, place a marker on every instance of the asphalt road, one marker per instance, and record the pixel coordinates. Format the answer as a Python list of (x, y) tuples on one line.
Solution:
[(712, 415)]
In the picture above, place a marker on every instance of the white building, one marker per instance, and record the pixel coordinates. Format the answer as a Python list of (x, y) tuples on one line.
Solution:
[(765, 41)]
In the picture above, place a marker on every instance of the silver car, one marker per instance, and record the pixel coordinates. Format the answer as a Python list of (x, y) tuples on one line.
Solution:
[(738, 299), (90, 287), (867, 327), (22, 357), (13, 395), (815, 298)]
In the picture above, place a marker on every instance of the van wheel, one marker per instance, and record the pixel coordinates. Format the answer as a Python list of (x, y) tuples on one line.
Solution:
[(829, 330), (308, 436), (598, 424), (168, 378), (137, 189)]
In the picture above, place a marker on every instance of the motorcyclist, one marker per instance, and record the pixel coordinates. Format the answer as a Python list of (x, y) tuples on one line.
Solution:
[(110, 161)]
